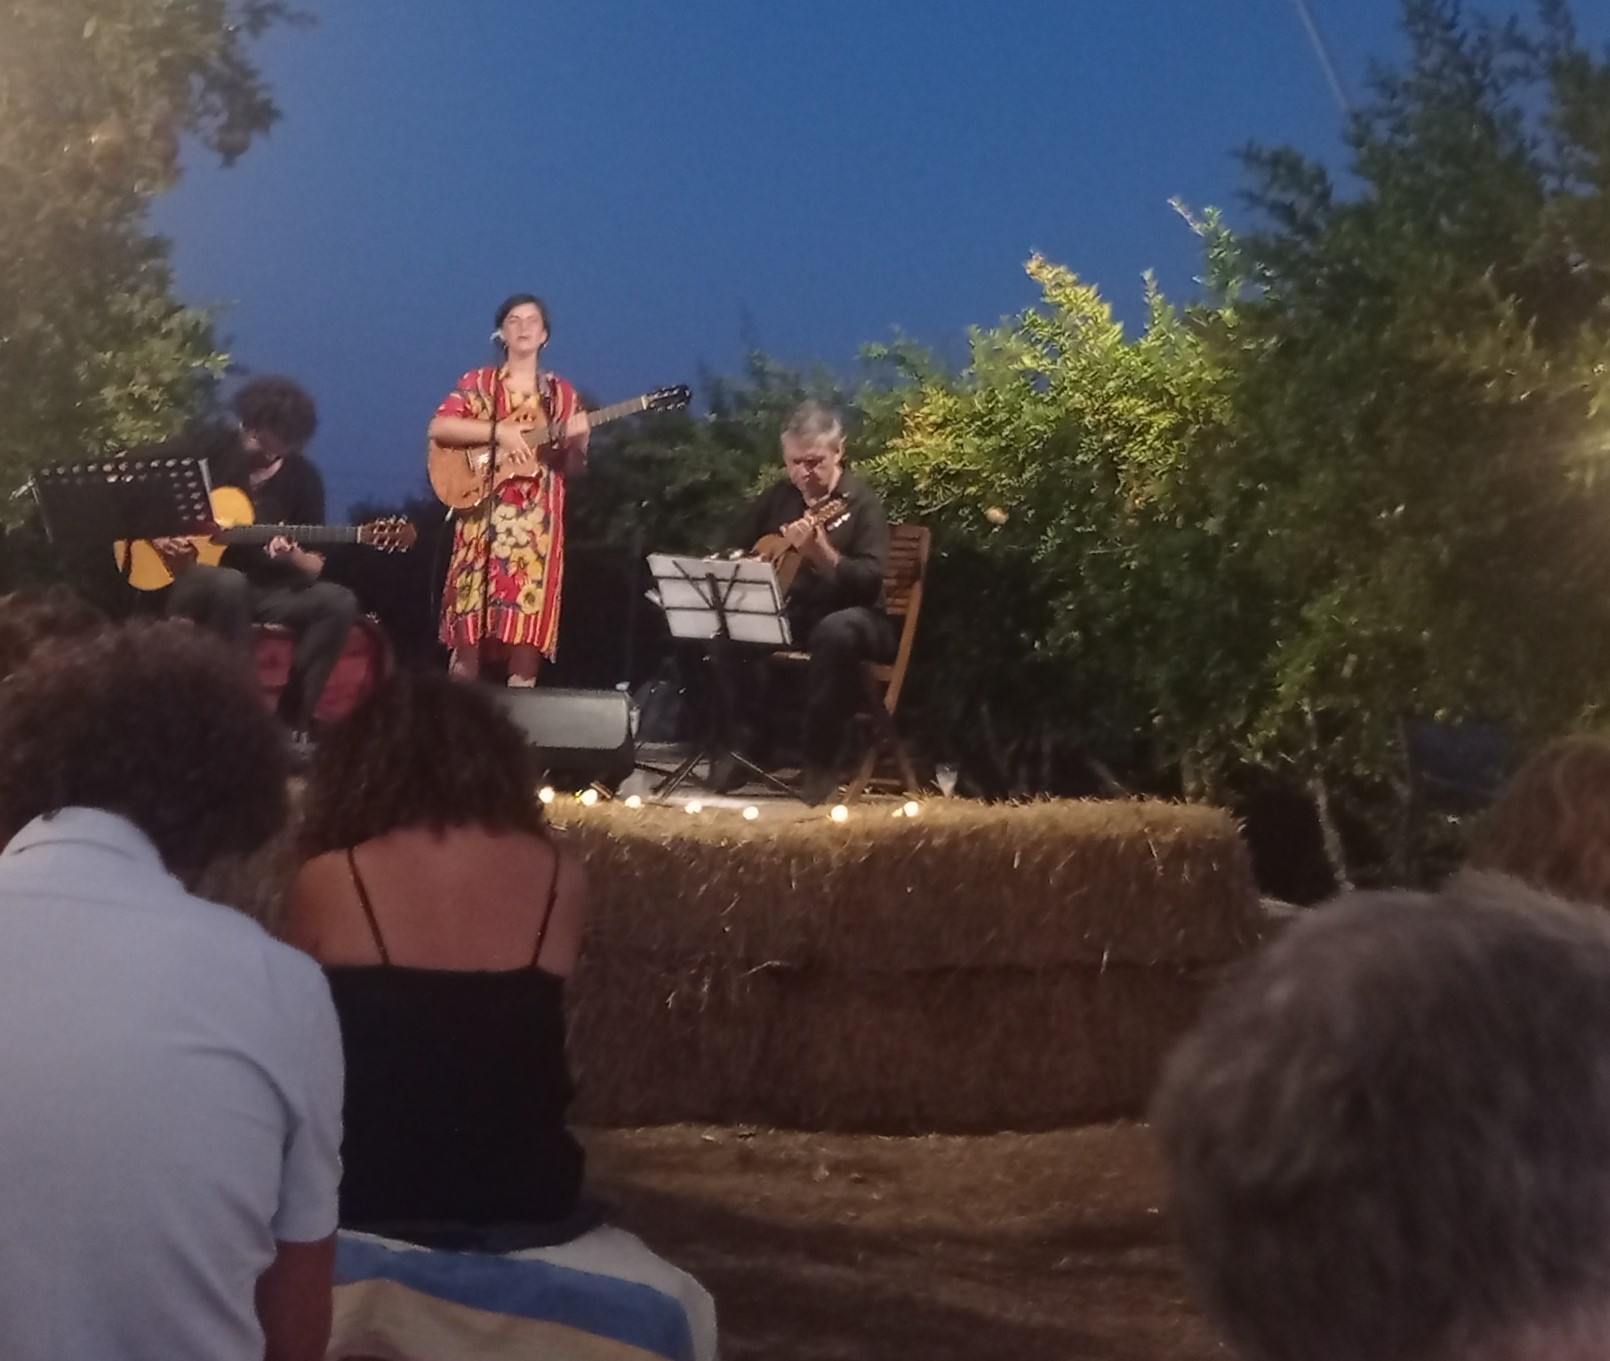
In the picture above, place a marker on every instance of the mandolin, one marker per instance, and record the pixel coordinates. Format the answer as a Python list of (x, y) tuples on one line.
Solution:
[(145, 570), (458, 473), (785, 560)]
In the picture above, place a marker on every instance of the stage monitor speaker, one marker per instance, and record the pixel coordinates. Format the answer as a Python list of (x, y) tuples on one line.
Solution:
[(580, 737)]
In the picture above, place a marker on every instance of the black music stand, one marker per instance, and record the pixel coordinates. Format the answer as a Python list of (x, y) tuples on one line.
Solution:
[(727, 604), (119, 497)]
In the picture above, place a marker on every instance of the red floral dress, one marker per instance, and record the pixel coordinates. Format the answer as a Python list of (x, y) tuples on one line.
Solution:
[(525, 560)]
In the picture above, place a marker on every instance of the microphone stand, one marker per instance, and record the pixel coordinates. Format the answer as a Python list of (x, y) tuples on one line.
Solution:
[(633, 590), (487, 528)]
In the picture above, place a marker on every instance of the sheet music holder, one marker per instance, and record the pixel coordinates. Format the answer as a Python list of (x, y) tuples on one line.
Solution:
[(709, 598), (725, 603), (119, 497)]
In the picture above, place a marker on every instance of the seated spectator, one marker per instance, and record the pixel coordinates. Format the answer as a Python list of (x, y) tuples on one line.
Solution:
[(447, 920), (1390, 1140), (172, 1075), (34, 614), (1550, 825)]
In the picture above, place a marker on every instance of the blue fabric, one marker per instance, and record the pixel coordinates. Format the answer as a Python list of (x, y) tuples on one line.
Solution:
[(622, 1311)]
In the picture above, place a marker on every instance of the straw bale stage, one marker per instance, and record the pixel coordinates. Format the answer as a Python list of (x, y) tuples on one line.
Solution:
[(976, 968)]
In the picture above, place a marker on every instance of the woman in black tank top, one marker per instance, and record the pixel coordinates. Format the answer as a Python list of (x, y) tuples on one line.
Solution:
[(446, 919)]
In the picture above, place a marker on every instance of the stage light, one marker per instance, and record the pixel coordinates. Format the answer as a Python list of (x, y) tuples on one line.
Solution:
[(546, 793), (692, 806), (634, 800), (589, 797), (911, 808), (839, 813), (751, 813)]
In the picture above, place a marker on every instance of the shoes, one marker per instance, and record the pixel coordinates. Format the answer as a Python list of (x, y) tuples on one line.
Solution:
[(818, 785), (727, 774)]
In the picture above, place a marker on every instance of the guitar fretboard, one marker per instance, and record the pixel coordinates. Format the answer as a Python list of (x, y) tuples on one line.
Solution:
[(541, 434), (295, 533)]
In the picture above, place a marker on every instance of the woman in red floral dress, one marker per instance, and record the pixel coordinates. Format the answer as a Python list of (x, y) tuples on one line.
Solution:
[(513, 542)]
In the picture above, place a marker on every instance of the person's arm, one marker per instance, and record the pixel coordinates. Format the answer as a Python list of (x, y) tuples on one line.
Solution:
[(293, 1294), (307, 508), (294, 1300), (568, 456), (561, 947), (468, 433)]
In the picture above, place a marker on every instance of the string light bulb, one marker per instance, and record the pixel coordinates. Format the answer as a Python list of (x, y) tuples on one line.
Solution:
[(751, 813), (839, 813), (634, 800), (546, 793), (911, 808), (589, 797), (693, 806)]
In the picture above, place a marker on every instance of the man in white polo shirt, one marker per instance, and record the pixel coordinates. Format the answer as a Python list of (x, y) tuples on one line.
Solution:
[(170, 1075)]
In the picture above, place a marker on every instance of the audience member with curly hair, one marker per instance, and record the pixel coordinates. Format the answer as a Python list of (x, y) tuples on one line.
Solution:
[(1550, 825), (447, 919), (34, 614), (172, 1075)]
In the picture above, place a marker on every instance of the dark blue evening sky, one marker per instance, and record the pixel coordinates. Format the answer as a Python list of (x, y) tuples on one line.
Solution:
[(670, 174)]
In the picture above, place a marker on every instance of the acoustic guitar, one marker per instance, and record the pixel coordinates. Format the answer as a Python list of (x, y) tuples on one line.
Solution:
[(458, 473), (787, 560), (145, 570)]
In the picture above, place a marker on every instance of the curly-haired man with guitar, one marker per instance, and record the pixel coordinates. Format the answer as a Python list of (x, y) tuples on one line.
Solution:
[(277, 583)]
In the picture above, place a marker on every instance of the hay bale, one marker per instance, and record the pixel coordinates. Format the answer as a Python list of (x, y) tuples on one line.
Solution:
[(977, 969), (654, 1043), (956, 1052), (1053, 882)]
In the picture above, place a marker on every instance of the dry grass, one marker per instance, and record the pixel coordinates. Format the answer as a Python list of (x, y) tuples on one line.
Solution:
[(821, 1247), (978, 968)]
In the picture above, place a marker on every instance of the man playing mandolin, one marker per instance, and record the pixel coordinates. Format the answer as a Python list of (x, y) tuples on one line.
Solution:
[(836, 524), (279, 583)]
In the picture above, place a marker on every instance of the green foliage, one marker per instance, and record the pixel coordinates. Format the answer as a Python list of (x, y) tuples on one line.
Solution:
[(1364, 481), (1084, 593), (1418, 390), (95, 96)]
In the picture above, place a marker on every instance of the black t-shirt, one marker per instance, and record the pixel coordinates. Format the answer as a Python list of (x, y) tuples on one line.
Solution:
[(861, 536), (294, 496)]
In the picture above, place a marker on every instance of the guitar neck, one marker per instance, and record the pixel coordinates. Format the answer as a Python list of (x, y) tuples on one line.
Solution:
[(259, 534), (585, 420)]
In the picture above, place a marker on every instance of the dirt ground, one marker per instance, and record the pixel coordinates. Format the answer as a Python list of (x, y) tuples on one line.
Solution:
[(847, 1248)]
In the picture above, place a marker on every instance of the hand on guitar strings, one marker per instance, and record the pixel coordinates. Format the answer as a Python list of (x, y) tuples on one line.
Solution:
[(279, 546), (176, 553), (513, 449), (809, 539)]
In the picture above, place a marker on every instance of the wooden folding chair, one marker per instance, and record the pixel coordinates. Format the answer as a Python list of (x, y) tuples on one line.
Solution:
[(881, 684)]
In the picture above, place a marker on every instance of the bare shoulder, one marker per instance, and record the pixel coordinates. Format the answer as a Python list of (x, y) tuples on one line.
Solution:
[(317, 904), (315, 900), (561, 946)]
